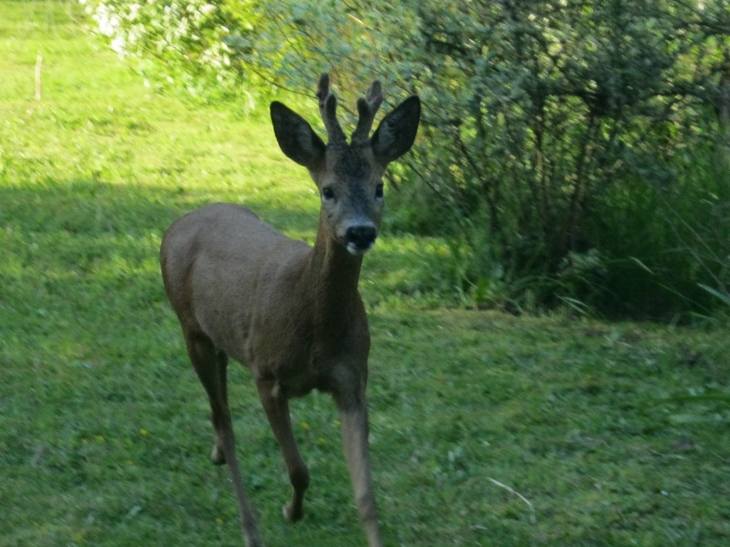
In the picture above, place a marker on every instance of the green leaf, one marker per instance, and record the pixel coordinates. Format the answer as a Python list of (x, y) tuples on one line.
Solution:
[(724, 297)]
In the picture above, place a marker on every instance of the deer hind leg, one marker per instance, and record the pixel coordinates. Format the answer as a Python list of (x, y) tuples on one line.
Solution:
[(218, 455), (210, 364), (277, 411)]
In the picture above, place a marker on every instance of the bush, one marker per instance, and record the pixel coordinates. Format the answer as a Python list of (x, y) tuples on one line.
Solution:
[(199, 43), (561, 144)]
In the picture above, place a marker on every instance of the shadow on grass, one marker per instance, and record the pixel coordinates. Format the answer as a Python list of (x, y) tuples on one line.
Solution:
[(83, 255), (99, 401), (89, 207)]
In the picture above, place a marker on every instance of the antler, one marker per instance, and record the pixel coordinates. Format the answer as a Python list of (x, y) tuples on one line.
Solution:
[(328, 110), (367, 108)]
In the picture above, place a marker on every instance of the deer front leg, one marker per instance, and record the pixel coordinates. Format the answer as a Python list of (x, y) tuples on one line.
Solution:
[(277, 411), (355, 443)]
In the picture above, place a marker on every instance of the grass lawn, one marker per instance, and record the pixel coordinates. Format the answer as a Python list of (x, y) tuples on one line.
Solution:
[(487, 429)]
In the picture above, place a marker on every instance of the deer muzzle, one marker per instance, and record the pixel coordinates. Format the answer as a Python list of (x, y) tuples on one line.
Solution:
[(360, 238)]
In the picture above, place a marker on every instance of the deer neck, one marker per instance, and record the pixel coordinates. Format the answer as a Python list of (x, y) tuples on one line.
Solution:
[(332, 276)]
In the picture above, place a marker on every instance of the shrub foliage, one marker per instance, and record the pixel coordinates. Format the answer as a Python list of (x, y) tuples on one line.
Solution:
[(571, 152)]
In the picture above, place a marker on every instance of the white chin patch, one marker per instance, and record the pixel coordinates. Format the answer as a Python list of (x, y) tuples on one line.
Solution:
[(355, 250)]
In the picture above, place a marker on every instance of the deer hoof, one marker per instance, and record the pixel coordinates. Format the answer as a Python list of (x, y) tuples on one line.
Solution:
[(289, 514), (217, 456)]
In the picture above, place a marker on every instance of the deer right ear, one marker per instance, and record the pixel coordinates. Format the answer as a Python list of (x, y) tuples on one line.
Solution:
[(397, 131), (295, 137)]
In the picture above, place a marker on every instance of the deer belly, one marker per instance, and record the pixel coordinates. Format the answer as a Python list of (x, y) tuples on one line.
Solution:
[(297, 379)]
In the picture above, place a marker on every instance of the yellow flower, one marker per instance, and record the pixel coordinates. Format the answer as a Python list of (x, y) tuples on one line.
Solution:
[(144, 432), (304, 425), (338, 422), (219, 520), (130, 462), (321, 440)]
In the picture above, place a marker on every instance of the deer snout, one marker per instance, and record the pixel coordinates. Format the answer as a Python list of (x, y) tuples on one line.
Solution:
[(360, 238)]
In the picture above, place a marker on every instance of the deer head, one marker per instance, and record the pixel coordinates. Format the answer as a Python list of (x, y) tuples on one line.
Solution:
[(349, 176)]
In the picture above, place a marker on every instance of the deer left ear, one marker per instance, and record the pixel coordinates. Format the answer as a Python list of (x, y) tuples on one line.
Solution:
[(396, 133), (296, 137)]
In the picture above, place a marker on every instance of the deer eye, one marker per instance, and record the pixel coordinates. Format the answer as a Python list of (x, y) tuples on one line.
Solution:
[(379, 191), (328, 193)]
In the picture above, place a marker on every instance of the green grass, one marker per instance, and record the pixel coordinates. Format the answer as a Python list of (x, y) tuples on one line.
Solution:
[(616, 433)]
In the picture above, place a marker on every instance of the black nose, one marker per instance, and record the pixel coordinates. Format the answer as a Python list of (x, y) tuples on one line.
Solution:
[(361, 236)]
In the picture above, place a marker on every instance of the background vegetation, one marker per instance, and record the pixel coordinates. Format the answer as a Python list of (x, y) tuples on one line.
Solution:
[(572, 153), (612, 433)]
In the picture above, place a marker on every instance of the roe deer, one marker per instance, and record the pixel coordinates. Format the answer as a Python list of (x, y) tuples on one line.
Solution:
[(289, 312)]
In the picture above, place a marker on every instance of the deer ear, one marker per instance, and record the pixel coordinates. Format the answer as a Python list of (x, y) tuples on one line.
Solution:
[(397, 131), (295, 136)]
